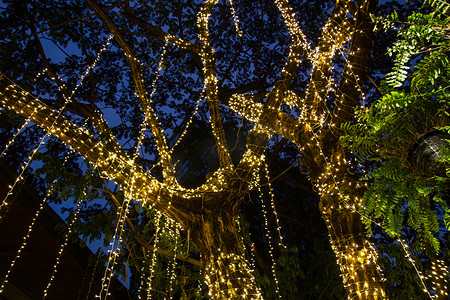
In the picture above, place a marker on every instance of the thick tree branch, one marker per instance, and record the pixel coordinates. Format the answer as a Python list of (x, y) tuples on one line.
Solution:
[(76, 107), (144, 243), (155, 32), (211, 85), (356, 68), (116, 165), (334, 34), (135, 66)]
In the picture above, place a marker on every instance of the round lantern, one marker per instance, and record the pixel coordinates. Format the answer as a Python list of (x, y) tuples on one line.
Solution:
[(425, 152)]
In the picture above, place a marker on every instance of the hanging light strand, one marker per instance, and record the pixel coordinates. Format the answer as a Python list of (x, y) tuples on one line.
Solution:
[(51, 128), (50, 191), (272, 203), (269, 237), (66, 240), (235, 19), (154, 256), (130, 187), (172, 271)]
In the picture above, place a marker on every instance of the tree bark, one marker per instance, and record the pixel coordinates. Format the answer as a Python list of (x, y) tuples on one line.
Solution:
[(227, 272), (209, 216), (356, 256)]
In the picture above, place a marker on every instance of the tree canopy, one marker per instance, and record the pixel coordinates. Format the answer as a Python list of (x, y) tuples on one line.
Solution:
[(215, 130)]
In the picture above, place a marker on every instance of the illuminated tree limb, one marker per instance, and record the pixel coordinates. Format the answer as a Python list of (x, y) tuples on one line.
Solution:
[(356, 66), (144, 243), (335, 33), (82, 109), (211, 84), (156, 32), (208, 212), (135, 66), (115, 164)]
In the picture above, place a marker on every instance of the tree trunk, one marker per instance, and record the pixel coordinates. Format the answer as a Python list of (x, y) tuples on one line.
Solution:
[(355, 254), (227, 273)]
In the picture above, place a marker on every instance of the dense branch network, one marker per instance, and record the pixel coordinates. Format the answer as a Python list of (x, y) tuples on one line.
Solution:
[(210, 210)]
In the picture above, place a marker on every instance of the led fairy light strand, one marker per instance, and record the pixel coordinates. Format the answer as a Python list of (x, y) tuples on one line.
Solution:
[(66, 102), (240, 231), (41, 73), (405, 248), (269, 237), (162, 228), (272, 202), (154, 256), (66, 239), (252, 250), (130, 193), (172, 273), (20, 177), (411, 260), (251, 260), (235, 19), (99, 252), (141, 284), (113, 254), (211, 84), (222, 270), (122, 212), (11, 141), (50, 191), (183, 133), (187, 126)]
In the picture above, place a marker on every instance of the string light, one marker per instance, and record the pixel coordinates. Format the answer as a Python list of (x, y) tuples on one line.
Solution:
[(153, 259), (25, 124), (228, 276), (66, 239), (272, 203), (50, 191), (172, 274), (20, 177), (236, 19), (269, 238)]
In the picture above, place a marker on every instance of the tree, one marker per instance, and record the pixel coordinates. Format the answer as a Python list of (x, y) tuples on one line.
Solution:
[(403, 137), (260, 78)]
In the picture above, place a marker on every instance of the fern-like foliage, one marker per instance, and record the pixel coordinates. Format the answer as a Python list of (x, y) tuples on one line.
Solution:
[(415, 35), (440, 6), (416, 100)]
